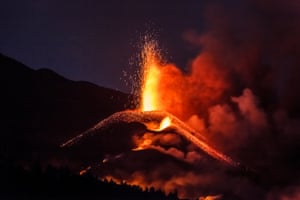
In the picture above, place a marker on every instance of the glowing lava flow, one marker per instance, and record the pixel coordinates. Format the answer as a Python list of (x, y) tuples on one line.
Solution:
[(188, 134), (145, 117)]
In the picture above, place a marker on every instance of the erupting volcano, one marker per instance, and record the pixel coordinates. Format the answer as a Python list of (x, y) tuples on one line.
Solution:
[(213, 111), (152, 111), (155, 113)]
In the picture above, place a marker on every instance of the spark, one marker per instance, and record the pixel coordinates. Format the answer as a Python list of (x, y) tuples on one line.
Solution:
[(84, 171)]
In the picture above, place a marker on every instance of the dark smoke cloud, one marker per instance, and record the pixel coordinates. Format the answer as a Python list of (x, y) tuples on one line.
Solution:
[(290, 193), (241, 92), (255, 50), (242, 89), (257, 45)]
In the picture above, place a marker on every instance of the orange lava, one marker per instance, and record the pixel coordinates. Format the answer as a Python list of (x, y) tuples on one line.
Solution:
[(151, 76), (165, 123), (162, 84)]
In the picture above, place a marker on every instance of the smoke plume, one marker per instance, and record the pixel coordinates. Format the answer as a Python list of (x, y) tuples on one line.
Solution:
[(241, 94)]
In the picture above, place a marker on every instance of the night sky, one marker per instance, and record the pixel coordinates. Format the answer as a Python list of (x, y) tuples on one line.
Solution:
[(95, 40), (235, 81)]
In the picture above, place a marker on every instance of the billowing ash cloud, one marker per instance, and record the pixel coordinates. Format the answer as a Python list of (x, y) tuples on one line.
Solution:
[(241, 93), (253, 53)]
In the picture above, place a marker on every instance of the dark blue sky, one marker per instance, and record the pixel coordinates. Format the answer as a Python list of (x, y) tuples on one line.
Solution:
[(94, 40)]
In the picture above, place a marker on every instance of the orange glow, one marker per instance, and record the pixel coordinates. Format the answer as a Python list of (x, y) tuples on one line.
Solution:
[(185, 95), (143, 145), (163, 85), (166, 122), (180, 103), (147, 140), (151, 76), (143, 142), (84, 171)]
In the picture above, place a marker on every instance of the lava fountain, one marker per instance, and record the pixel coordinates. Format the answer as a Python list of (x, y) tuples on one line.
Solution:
[(150, 77)]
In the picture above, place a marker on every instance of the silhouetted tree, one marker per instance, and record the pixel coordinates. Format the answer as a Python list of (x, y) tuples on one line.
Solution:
[(61, 183)]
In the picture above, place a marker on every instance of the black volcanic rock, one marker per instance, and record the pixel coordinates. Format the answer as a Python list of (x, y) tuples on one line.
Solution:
[(40, 109)]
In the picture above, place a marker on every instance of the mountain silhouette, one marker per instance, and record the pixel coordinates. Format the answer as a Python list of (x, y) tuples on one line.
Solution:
[(41, 109)]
